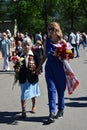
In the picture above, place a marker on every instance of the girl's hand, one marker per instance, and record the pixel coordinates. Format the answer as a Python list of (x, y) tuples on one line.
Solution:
[(38, 71), (16, 69)]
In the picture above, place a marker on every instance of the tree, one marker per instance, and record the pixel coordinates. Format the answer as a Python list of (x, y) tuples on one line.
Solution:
[(69, 13), (35, 15)]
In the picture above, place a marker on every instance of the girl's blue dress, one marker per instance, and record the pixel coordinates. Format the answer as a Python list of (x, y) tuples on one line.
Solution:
[(29, 90)]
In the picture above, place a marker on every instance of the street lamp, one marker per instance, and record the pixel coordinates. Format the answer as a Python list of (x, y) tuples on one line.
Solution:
[(15, 24), (45, 8)]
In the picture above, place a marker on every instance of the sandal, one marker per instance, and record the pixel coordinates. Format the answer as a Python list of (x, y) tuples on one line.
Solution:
[(33, 110)]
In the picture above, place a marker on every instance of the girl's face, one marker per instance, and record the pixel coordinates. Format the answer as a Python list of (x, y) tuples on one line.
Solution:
[(26, 47), (52, 33)]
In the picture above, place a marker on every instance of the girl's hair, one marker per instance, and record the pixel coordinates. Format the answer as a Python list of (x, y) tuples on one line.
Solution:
[(27, 41)]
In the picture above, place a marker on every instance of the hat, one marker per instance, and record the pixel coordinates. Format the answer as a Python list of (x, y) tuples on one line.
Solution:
[(39, 42)]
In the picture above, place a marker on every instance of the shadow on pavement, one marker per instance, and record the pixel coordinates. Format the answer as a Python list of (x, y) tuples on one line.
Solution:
[(85, 62), (77, 102), (7, 72), (78, 98), (12, 118)]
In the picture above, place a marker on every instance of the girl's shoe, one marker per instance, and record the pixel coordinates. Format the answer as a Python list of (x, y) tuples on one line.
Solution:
[(23, 115), (33, 110)]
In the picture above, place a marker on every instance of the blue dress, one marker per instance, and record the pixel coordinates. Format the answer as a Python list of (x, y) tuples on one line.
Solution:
[(29, 90), (55, 78)]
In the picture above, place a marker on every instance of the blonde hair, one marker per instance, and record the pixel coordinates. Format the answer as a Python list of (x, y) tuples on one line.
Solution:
[(57, 28), (19, 43)]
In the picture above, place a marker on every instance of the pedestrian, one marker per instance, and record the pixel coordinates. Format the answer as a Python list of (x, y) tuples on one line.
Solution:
[(28, 79), (5, 49), (77, 44), (38, 50), (84, 40), (18, 49), (54, 72)]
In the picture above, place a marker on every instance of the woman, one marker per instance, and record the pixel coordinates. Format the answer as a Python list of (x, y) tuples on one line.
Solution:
[(5, 49), (28, 78), (54, 72)]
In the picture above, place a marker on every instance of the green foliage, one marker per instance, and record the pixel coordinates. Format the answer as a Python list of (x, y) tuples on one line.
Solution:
[(35, 15)]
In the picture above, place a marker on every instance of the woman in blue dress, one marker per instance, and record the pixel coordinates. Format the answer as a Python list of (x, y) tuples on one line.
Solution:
[(54, 72)]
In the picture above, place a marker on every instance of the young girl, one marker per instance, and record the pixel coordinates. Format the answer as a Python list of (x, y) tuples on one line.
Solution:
[(28, 78)]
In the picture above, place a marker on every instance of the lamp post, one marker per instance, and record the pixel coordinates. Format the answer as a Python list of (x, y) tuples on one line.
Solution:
[(15, 23), (45, 8)]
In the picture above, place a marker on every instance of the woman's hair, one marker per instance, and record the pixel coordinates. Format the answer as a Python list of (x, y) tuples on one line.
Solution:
[(57, 29)]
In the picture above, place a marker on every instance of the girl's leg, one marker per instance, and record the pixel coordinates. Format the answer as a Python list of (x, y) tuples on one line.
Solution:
[(33, 105), (23, 105)]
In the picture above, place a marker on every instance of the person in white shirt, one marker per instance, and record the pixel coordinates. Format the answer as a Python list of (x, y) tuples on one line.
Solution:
[(5, 49), (73, 39), (77, 44)]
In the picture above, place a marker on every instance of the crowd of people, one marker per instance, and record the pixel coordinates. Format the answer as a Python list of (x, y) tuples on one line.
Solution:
[(76, 39), (12, 45)]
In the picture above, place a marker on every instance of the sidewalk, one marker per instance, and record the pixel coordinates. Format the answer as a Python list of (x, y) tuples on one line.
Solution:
[(0, 55), (75, 105)]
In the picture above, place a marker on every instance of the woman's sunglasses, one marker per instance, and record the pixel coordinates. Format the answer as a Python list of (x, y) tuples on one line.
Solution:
[(51, 29)]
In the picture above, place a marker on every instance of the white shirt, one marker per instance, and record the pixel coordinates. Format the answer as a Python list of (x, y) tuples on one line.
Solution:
[(72, 38), (27, 57)]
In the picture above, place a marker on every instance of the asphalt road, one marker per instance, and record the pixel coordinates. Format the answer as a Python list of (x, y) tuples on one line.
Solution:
[(75, 115)]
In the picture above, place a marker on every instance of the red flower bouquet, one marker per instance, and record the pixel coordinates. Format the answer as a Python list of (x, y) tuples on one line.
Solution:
[(63, 52), (31, 64), (18, 62)]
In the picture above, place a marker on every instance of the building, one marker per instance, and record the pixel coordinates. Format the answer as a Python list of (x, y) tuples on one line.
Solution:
[(5, 20)]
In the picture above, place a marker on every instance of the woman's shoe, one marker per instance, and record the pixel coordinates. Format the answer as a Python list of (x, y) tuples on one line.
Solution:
[(59, 114), (51, 119)]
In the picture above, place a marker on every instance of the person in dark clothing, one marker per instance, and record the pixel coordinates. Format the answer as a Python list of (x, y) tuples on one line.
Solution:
[(38, 50), (18, 49)]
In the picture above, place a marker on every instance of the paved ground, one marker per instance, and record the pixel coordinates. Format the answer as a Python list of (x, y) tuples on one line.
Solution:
[(75, 116)]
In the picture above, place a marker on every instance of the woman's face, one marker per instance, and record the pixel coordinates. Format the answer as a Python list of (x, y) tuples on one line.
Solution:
[(4, 35)]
